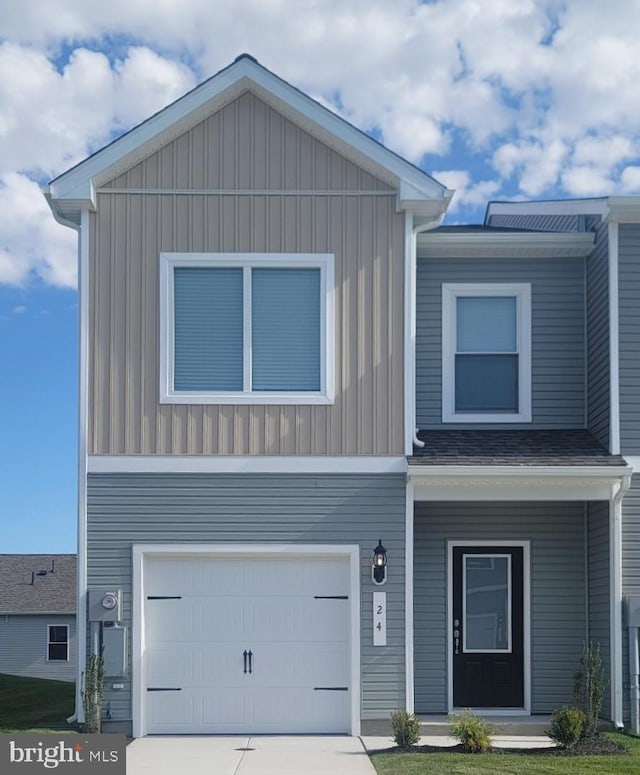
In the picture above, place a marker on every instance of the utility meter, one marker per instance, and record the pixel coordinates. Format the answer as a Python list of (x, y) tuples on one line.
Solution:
[(104, 605)]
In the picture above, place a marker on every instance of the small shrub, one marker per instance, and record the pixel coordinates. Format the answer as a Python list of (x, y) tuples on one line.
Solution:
[(406, 728), (93, 693), (590, 685), (473, 733), (567, 726)]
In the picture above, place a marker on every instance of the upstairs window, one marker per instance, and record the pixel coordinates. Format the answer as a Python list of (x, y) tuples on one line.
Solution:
[(246, 328), (486, 353), (58, 643)]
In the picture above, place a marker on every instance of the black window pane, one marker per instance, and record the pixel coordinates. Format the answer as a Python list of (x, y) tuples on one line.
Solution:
[(486, 383), (57, 634), (58, 651)]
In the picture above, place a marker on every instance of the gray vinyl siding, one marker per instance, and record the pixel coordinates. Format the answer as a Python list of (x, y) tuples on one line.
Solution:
[(598, 334), (335, 509), (538, 222), (556, 532), (558, 341), (598, 588), (629, 301), (23, 646), (341, 209), (630, 568)]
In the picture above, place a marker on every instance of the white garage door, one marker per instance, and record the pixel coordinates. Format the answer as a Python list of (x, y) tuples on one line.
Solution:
[(246, 644)]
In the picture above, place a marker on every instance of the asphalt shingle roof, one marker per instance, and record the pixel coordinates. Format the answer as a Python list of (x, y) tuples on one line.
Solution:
[(512, 448), (24, 590)]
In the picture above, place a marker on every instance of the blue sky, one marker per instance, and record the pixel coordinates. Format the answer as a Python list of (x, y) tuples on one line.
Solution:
[(497, 99)]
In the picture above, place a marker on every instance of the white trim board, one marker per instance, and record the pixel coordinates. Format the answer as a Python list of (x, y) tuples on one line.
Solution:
[(526, 617), (450, 244), (245, 464), (140, 551)]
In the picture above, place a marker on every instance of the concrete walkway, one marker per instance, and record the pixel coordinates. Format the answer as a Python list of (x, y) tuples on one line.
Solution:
[(194, 755)]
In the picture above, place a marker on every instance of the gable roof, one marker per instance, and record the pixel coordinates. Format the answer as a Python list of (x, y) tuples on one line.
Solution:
[(75, 189), (38, 583)]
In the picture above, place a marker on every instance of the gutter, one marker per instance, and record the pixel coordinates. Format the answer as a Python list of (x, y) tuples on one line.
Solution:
[(410, 242)]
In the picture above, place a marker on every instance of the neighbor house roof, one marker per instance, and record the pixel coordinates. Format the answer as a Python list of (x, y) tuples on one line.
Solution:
[(38, 583), (75, 189), (512, 448)]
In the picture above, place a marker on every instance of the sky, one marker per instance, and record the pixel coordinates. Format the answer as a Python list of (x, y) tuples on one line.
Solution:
[(498, 99)]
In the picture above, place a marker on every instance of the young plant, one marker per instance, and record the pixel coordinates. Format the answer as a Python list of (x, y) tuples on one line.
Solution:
[(93, 693), (473, 733), (567, 726), (590, 685), (406, 728)]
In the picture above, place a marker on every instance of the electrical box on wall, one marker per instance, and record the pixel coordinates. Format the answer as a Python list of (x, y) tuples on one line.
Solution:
[(632, 610), (114, 650), (105, 605)]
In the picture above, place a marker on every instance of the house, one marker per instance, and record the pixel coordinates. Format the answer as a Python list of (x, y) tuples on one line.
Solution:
[(336, 458), (38, 615)]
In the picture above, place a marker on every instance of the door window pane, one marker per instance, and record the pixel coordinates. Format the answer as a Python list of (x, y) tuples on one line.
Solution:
[(486, 602)]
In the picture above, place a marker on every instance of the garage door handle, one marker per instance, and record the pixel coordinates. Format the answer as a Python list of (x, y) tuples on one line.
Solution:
[(244, 655), (330, 688), (250, 661)]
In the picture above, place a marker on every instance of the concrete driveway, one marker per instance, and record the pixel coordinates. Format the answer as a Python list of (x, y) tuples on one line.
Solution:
[(194, 755)]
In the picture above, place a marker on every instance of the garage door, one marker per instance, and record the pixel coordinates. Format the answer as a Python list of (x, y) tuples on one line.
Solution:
[(246, 644)]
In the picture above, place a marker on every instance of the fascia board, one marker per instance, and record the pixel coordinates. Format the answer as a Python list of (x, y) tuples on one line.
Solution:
[(193, 107), (624, 209), (525, 245), (613, 473)]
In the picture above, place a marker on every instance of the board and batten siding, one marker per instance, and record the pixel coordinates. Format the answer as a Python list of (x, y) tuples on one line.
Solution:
[(24, 646), (558, 624), (599, 595), (630, 568), (298, 509), (557, 330), (598, 333), (246, 147), (629, 336)]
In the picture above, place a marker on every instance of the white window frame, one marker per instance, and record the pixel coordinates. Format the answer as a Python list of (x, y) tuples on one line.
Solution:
[(451, 292), (52, 643), (246, 261), (492, 556)]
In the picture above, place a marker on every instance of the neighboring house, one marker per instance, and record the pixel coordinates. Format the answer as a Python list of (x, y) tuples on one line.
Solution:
[(285, 359), (38, 615)]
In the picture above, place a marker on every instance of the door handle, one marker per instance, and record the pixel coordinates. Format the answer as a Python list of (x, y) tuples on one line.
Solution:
[(244, 654), (456, 636), (250, 661)]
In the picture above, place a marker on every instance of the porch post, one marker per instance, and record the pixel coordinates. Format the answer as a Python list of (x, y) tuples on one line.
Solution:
[(619, 490), (408, 598)]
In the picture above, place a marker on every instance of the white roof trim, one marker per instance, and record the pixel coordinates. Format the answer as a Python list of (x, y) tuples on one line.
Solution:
[(624, 209), (244, 74), (549, 207), (504, 244), (514, 483)]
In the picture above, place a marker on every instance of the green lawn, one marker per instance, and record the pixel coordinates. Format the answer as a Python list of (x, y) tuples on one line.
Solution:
[(26, 703), (504, 764)]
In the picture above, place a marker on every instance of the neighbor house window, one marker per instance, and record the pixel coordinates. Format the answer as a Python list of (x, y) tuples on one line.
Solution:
[(58, 643), (486, 352), (246, 328)]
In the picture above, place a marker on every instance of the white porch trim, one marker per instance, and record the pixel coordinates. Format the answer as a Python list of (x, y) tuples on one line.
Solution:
[(140, 551)]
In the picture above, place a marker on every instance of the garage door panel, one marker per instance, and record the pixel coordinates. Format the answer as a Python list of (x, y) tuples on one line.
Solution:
[(282, 609)]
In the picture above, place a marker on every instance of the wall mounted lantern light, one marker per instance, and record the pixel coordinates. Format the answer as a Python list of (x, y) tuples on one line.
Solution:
[(379, 567)]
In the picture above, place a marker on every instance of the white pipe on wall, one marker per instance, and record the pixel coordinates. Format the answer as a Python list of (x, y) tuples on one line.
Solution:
[(634, 674)]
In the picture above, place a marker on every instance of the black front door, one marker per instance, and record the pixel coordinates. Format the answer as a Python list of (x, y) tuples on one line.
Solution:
[(487, 627)]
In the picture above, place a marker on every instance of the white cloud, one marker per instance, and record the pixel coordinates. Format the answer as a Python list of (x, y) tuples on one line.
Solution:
[(467, 192), (33, 244), (19, 310), (586, 180), (630, 180)]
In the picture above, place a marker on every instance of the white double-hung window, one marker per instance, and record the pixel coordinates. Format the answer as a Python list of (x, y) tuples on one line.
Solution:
[(246, 328), (486, 352)]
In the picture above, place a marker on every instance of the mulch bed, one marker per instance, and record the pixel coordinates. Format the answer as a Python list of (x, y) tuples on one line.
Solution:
[(592, 746)]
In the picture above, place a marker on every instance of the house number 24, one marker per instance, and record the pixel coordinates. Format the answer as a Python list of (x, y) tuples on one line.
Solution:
[(379, 618)]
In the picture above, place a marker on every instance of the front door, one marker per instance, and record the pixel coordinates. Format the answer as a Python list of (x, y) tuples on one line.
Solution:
[(487, 627)]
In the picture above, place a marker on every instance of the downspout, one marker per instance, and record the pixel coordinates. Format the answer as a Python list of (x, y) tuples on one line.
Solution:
[(620, 489), (83, 287), (634, 675), (411, 235)]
